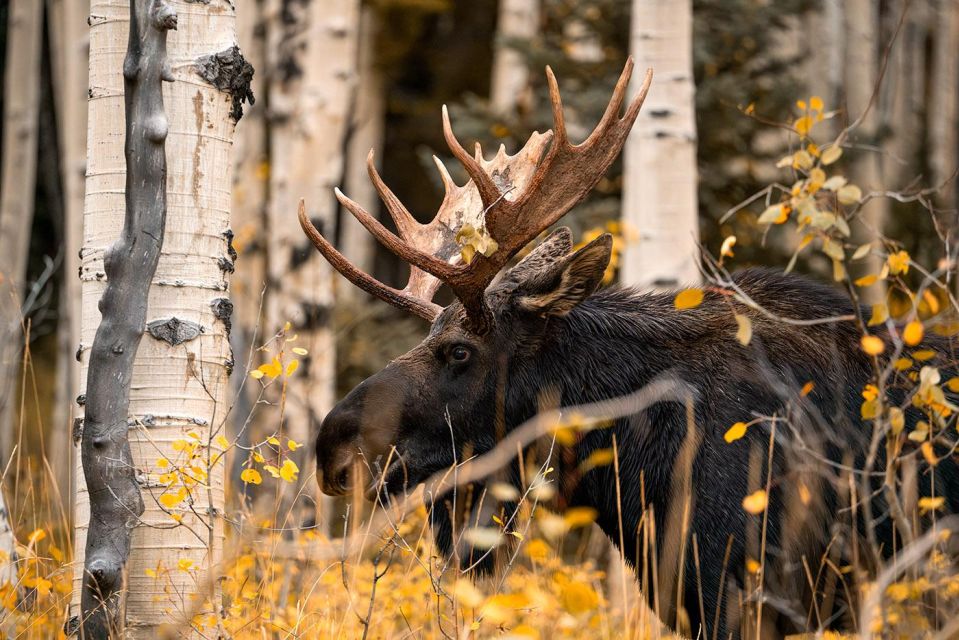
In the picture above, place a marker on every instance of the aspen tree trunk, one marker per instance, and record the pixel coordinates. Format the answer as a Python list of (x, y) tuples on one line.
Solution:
[(903, 94), (179, 374), (518, 22), (251, 170), (659, 181), (862, 71), (311, 81), (18, 175), (944, 113), (825, 52), (366, 133), (69, 37)]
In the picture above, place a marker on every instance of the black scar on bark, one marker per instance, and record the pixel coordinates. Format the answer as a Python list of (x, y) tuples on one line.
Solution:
[(229, 71), (174, 330), (223, 310), (228, 234)]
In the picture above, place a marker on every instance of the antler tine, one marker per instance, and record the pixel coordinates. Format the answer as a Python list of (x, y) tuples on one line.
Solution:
[(439, 268), (422, 308), (560, 137), (488, 191), (406, 224), (448, 184), (640, 98)]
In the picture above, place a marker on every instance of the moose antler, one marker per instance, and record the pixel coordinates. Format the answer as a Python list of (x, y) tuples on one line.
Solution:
[(510, 198)]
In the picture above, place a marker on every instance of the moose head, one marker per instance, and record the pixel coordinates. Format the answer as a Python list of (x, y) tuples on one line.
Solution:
[(448, 396)]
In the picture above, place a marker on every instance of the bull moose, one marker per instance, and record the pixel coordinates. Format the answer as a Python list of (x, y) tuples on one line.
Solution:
[(543, 326)]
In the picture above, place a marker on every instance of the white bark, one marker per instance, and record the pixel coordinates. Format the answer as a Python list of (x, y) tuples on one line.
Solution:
[(19, 166), (176, 389), (659, 181), (518, 22), (366, 132), (311, 82), (862, 71), (69, 37)]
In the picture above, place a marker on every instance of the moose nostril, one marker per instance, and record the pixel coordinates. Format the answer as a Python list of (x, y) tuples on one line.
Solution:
[(343, 479)]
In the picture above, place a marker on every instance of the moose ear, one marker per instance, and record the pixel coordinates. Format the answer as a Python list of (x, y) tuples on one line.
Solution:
[(558, 289), (553, 248)]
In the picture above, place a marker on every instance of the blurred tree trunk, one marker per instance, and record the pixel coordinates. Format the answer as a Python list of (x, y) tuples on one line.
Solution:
[(251, 172), (19, 166), (659, 179), (944, 115), (366, 133), (902, 98), (179, 377), (861, 75), (518, 22), (312, 74), (70, 43)]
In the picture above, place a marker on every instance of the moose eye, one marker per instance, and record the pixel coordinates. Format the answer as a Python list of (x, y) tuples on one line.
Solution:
[(459, 354)]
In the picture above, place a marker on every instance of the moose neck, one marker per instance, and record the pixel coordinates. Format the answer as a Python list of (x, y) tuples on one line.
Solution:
[(612, 345)]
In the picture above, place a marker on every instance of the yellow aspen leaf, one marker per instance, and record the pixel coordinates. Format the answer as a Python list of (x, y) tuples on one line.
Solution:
[(898, 262), (184, 564), (752, 566), (292, 445), (221, 442), (912, 334), (504, 492), (258, 457), (817, 177), (467, 594), (171, 500), (866, 281), (902, 364), (726, 251), (576, 517), (897, 420), (807, 388), (803, 125), (598, 458), (516, 534), (774, 214), (735, 432), (924, 355), (180, 445), (272, 369), (292, 367), (537, 549), (861, 252), (813, 149), (163, 463), (831, 154), (744, 329), (150, 572), (272, 470), (931, 301), (849, 194), (953, 385), (815, 103), (688, 299), (300, 351), (898, 591), (873, 345), (802, 159), (578, 597), (251, 476), (289, 470), (929, 453), (801, 104), (273, 440), (880, 313), (36, 536), (256, 374), (928, 504), (755, 503)]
